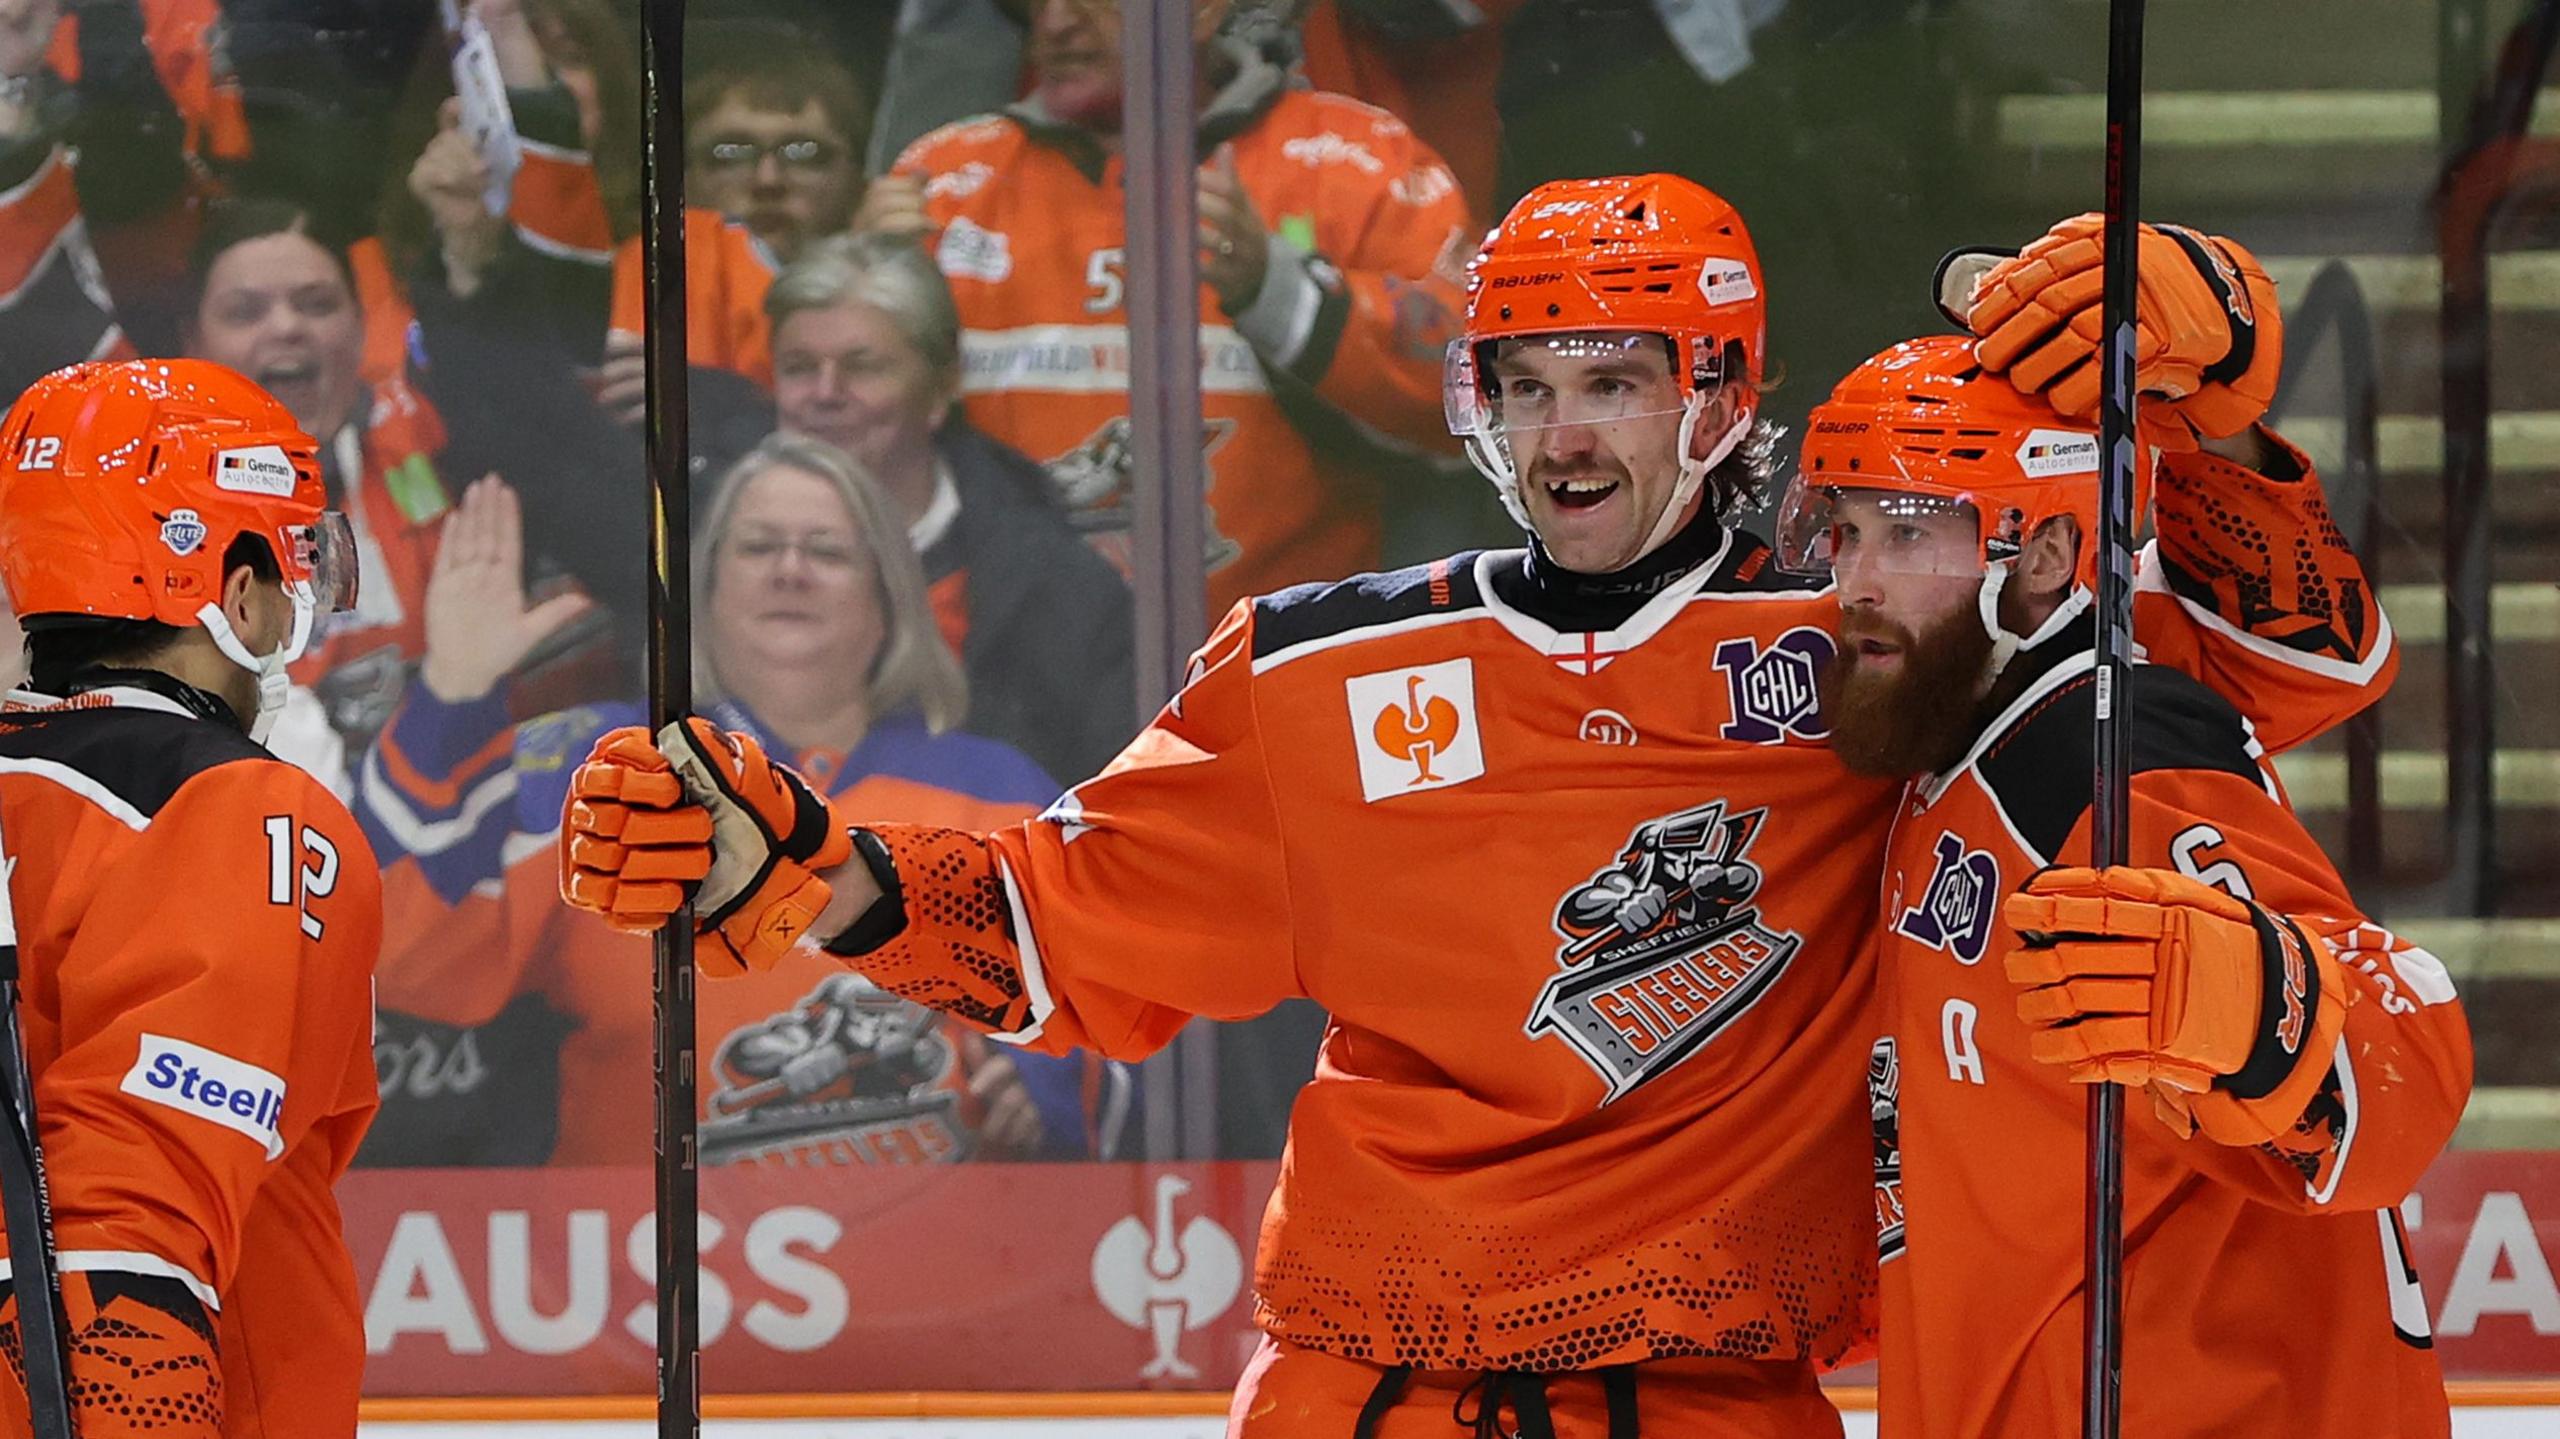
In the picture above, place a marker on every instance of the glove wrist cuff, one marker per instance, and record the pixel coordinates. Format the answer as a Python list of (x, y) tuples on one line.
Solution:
[(886, 918), (2289, 992)]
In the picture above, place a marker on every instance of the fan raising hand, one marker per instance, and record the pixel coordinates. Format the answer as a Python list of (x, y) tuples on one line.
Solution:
[(479, 626)]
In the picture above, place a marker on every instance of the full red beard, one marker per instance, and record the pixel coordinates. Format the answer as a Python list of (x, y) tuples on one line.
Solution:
[(1915, 720)]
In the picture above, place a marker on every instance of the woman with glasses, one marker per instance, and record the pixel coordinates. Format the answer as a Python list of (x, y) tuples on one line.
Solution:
[(813, 633)]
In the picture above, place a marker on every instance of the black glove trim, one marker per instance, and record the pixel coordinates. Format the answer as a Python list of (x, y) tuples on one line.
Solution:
[(2282, 948), (2211, 262), (811, 820), (886, 918)]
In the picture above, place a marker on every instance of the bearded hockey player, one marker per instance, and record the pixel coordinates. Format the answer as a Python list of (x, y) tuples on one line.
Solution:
[(1553, 833), (2305, 1064), (197, 920)]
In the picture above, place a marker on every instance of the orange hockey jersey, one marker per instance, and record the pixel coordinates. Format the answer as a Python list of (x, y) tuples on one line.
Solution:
[(1590, 902), (558, 212), (1370, 234), (2267, 1291), (727, 271), (197, 922)]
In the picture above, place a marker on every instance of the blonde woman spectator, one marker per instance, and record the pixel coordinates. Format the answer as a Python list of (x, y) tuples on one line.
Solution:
[(813, 634)]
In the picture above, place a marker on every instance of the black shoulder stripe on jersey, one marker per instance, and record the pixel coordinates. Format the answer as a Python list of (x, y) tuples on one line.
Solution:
[(1292, 617), (1751, 567), (2040, 772), (140, 756)]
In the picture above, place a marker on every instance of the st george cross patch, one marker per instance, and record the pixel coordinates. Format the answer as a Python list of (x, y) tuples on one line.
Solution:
[(1583, 654)]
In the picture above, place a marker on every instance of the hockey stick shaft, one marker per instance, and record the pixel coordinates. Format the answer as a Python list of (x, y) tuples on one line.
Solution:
[(2102, 1332), (26, 1202), (670, 666)]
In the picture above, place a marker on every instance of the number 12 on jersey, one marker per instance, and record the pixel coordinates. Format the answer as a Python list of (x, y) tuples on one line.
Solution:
[(318, 877)]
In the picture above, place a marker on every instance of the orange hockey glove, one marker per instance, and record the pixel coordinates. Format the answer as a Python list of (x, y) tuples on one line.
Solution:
[(630, 842), (142, 1359), (2208, 333), (2147, 977), (771, 835)]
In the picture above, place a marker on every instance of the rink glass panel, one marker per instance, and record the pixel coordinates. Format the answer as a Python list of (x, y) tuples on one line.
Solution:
[(890, 1202)]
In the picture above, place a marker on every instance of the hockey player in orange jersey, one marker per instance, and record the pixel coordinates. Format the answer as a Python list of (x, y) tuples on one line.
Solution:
[(1554, 834), (197, 920), (2304, 1064)]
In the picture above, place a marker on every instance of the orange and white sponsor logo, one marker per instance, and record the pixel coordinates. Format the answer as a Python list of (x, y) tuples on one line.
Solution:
[(1328, 148), (1415, 729), (960, 183), (1423, 185)]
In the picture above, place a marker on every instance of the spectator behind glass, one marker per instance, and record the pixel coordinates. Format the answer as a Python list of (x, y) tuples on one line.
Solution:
[(1331, 245), (82, 164), (775, 163), (1431, 63), (773, 160), (867, 358), (509, 314), (279, 306), (774, 139), (814, 635), (572, 87)]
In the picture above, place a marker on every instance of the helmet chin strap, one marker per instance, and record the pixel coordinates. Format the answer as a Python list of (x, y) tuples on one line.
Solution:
[(1693, 470), (1486, 451), (2005, 644), (270, 669)]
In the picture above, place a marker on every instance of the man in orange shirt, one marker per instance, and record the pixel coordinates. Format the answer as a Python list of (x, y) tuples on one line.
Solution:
[(2305, 1064), (1554, 835), (197, 920), (1330, 245)]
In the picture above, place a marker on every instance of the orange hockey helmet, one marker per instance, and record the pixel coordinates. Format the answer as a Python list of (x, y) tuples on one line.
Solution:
[(1647, 254), (1923, 428), (122, 485)]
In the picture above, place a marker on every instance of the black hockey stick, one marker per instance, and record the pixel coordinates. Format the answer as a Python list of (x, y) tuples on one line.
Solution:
[(27, 1203), (2102, 1329), (671, 1058)]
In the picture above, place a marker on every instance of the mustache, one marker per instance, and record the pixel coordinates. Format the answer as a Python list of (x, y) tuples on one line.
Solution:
[(1854, 626), (1550, 474)]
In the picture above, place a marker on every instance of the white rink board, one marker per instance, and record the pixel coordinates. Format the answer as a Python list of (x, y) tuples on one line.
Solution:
[(2487, 1423)]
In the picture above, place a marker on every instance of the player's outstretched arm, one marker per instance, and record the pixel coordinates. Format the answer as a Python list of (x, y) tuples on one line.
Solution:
[(2326, 1060), (1150, 895), (2248, 584)]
